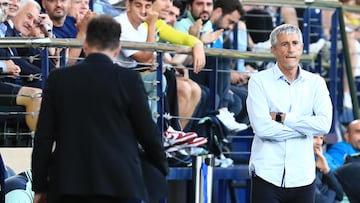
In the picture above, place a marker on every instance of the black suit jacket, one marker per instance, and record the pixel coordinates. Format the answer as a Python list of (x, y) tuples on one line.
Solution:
[(96, 113)]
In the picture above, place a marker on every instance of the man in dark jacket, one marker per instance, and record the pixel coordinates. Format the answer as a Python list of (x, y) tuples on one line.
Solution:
[(328, 189), (93, 117)]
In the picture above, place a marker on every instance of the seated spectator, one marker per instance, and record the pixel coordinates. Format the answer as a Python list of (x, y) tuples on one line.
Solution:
[(209, 18), (23, 24), (64, 25), (13, 8), (167, 34), (13, 94), (28, 97), (174, 13), (18, 188), (67, 26), (78, 9), (189, 93), (349, 176), (134, 29), (104, 7), (350, 145), (328, 188), (138, 31)]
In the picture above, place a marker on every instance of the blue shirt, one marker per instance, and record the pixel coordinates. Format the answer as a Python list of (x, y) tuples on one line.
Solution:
[(68, 30), (3, 29), (282, 154), (331, 161), (339, 150)]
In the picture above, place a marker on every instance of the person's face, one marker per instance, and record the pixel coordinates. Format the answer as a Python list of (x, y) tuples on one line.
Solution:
[(137, 10), (13, 8), (79, 8), (353, 136), (173, 15), (227, 21), (201, 9), (318, 141), (56, 9), (162, 7), (4, 5), (26, 19), (287, 51)]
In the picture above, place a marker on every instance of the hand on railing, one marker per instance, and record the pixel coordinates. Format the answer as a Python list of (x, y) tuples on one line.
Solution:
[(12, 68), (198, 57)]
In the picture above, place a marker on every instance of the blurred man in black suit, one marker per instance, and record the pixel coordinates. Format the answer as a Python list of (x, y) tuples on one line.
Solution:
[(90, 125)]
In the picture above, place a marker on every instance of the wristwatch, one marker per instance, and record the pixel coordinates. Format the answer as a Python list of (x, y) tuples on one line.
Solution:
[(278, 117)]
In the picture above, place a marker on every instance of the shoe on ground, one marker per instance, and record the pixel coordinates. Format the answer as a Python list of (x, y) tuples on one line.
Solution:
[(229, 121)]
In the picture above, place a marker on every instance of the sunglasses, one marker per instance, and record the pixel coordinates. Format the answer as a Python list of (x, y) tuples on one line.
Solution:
[(4, 4)]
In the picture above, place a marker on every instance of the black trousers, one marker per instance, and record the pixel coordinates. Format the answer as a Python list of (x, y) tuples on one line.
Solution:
[(265, 192)]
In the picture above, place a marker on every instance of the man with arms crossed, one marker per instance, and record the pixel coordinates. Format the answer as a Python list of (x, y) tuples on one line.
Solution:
[(287, 106)]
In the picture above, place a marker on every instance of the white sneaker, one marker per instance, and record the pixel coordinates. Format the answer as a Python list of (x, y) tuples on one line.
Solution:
[(223, 161), (229, 121)]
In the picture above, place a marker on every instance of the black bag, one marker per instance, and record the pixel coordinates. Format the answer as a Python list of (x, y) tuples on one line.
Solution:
[(349, 177), (215, 132), (352, 158)]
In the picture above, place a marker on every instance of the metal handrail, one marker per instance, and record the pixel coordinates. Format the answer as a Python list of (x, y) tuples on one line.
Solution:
[(161, 47)]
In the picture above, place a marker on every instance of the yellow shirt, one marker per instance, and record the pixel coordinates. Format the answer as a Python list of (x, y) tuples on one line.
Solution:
[(169, 34)]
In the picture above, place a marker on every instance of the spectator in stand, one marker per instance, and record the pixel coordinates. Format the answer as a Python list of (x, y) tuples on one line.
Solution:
[(23, 24), (166, 33), (207, 20), (189, 93), (78, 9), (104, 7), (18, 188), (41, 27), (13, 8), (350, 145), (327, 187), (66, 26), (28, 97), (174, 13), (284, 125), (13, 94), (134, 29)]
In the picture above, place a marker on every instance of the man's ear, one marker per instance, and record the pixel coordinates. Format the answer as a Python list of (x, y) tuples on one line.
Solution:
[(117, 51), (127, 5), (85, 47), (346, 137), (43, 2), (218, 12)]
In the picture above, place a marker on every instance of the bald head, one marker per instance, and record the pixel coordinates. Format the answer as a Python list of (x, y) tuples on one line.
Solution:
[(352, 135)]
